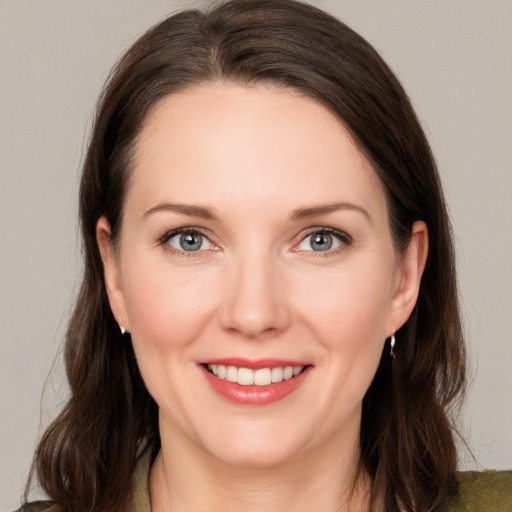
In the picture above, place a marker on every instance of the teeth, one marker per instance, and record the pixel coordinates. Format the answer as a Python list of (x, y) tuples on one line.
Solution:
[(245, 377), (277, 374), (248, 377), (232, 374), (262, 377)]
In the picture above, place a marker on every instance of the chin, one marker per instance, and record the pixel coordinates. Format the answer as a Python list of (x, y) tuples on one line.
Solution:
[(254, 448), (254, 459)]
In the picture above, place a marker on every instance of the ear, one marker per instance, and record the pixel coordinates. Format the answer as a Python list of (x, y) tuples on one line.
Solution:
[(112, 273), (412, 265)]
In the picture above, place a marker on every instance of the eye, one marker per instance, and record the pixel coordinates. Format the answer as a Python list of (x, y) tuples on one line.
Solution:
[(324, 240), (188, 241)]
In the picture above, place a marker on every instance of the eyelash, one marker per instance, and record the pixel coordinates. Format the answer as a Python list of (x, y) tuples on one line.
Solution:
[(344, 238), (164, 241)]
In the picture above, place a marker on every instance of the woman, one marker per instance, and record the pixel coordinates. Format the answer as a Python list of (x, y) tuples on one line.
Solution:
[(268, 316)]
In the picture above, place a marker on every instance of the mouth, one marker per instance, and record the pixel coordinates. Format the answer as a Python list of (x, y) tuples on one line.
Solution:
[(255, 383), (249, 377)]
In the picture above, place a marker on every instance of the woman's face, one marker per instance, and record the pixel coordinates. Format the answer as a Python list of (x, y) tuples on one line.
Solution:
[(255, 244)]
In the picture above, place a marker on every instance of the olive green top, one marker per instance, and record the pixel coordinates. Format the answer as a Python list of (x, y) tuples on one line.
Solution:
[(479, 491), (483, 491)]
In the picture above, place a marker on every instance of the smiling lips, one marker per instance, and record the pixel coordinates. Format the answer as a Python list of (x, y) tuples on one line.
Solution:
[(248, 377), (255, 383)]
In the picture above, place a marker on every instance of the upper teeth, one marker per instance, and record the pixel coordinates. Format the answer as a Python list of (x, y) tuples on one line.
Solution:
[(248, 377)]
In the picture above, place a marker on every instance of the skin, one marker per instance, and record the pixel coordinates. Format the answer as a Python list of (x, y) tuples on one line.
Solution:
[(254, 156)]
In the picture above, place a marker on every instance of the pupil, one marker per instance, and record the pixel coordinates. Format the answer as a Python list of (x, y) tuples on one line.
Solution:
[(321, 242), (191, 242)]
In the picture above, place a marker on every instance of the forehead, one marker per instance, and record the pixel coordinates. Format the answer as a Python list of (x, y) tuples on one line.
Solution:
[(257, 143)]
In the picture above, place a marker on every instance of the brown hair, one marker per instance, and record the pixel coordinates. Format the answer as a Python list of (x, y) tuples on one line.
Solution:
[(86, 457)]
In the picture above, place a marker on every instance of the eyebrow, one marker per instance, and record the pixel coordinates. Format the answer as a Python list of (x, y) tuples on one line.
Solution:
[(184, 209), (325, 209), (297, 214)]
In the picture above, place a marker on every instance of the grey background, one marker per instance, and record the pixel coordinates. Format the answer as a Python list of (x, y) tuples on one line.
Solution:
[(455, 60)]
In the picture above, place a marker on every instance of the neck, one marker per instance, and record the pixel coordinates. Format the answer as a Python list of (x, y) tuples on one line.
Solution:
[(185, 478)]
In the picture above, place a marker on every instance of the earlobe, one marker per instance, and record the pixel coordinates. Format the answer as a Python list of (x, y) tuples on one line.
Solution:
[(112, 272), (412, 265)]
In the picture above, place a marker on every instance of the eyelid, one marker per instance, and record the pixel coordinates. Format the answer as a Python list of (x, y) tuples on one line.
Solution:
[(342, 236), (168, 235)]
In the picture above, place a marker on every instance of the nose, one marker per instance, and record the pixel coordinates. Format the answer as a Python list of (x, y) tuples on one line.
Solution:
[(255, 304)]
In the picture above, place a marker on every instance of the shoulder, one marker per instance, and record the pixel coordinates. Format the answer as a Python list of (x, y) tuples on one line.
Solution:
[(38, 506), (483, 491)]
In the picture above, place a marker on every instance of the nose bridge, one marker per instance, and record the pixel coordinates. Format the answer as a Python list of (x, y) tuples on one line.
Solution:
[(255, 305)]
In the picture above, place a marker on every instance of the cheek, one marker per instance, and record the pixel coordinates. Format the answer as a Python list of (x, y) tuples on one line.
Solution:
[(168, 312), (347, 313), (167, 306)]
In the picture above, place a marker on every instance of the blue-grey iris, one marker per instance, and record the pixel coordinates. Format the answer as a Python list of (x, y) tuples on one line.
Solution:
[(321, 242), (191, 241)]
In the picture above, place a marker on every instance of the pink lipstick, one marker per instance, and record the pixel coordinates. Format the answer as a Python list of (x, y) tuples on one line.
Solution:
[(255, 382)]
